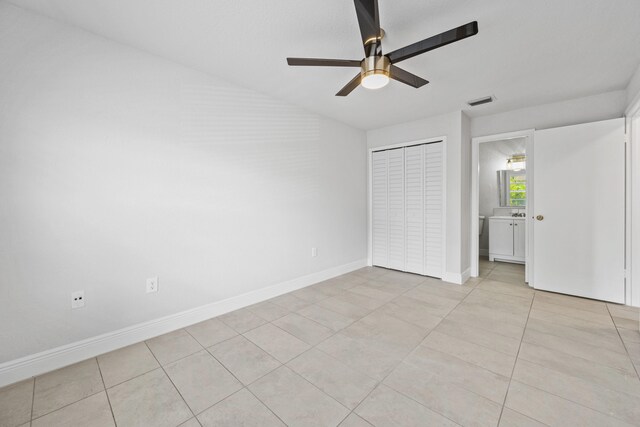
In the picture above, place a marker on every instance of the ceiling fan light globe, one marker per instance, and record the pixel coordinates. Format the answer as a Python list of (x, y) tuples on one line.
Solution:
[(375, 81)]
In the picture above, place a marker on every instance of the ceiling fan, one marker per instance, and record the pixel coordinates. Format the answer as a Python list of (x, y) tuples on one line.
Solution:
[(376, 68)]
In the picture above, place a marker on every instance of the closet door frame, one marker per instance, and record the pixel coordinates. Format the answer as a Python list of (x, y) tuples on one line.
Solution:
[(441, 139)]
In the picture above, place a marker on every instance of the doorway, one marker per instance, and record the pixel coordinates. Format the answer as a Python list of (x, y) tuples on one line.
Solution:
[(501, 200)]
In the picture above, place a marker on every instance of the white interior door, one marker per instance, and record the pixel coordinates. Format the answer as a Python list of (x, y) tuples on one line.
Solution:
[(395, 205), (579, 193), (414, 207), (433, 208), (379, 226)]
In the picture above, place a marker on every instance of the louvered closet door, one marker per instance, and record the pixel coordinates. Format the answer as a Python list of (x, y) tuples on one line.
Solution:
[(433, 208), (414, 208), (380, 225), (395, 206)]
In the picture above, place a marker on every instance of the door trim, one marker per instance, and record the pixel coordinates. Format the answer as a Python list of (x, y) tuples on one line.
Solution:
[(443, 140), (475, 197)]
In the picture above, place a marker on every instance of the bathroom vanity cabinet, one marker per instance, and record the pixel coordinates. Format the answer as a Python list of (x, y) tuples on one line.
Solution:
[(507, 239)]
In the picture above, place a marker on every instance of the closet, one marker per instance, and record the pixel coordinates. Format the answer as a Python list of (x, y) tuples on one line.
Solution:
[(407, 208)]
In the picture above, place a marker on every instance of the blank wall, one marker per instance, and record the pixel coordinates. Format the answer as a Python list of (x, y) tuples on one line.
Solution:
[(116, 165)]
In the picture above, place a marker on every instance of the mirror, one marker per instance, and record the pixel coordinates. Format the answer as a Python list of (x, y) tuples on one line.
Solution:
[(512, 188)]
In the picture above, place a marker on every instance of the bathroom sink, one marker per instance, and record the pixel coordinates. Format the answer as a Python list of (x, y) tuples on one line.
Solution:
[(506, 217)]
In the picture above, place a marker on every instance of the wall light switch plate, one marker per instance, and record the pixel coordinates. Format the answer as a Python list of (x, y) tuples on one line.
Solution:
[(152, 284), (314, 252), (77, 299)]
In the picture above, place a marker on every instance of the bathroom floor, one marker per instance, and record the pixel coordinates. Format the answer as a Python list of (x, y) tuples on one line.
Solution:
[(373, 347), (502, 271)]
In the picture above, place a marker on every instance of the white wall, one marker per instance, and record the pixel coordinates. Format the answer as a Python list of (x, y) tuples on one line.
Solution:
[(116, 165), (493, 157), (633, 89), (449, 126), (575, 111), (633, 181), (465, 196)]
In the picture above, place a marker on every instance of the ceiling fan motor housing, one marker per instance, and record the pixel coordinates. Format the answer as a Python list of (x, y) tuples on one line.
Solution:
[(375, 65)]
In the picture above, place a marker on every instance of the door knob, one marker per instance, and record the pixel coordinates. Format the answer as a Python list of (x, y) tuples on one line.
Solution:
[(539, 217)]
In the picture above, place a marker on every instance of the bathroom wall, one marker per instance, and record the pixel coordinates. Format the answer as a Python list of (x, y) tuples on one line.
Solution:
[(493, 157)]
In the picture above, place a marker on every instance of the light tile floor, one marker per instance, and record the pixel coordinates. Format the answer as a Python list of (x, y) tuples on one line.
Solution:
[(373, 347)]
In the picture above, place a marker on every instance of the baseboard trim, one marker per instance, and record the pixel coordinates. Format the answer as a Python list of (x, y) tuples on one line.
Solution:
[(59, 357), (457, 278), (466, 275), (484, 252)]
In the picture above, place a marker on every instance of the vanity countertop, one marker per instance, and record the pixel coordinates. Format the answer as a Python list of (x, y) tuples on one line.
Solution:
[(507, 217)]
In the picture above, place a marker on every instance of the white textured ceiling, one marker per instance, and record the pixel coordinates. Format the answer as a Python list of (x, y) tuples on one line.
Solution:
[(527, 52)]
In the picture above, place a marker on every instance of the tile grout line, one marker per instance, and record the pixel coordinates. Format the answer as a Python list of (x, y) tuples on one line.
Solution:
[(339, 314), (573, 317), (265, 350), (33, 399), (480, 345), (132, 378), (261, 376), (311, 320), (206, 347), (557, 303), (260, 400), (357, 320), (244, 387), (504, 402), (234, 329), (598, 363), (426, 336), (170, 380), (113, 416), (68, 404), (624, 344), (352, 411), (285, 364), (311, 347), (381, 382), (573, 376), (575, 339), (314, 386), (582, 405)]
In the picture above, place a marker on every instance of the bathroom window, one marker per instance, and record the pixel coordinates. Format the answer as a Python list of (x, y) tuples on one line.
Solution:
[(517, 188), (512, 188)]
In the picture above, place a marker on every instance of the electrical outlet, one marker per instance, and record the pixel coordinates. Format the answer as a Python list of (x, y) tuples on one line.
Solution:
[(314, 252), (77, 299), (152, 284)]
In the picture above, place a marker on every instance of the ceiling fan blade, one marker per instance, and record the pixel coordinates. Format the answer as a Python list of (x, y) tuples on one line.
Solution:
[(406, 77), (349, 87), (442, 39), (323, 62), (368, 20)]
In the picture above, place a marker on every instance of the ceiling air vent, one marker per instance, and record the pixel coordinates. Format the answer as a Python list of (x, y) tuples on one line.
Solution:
[(480, 101)]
